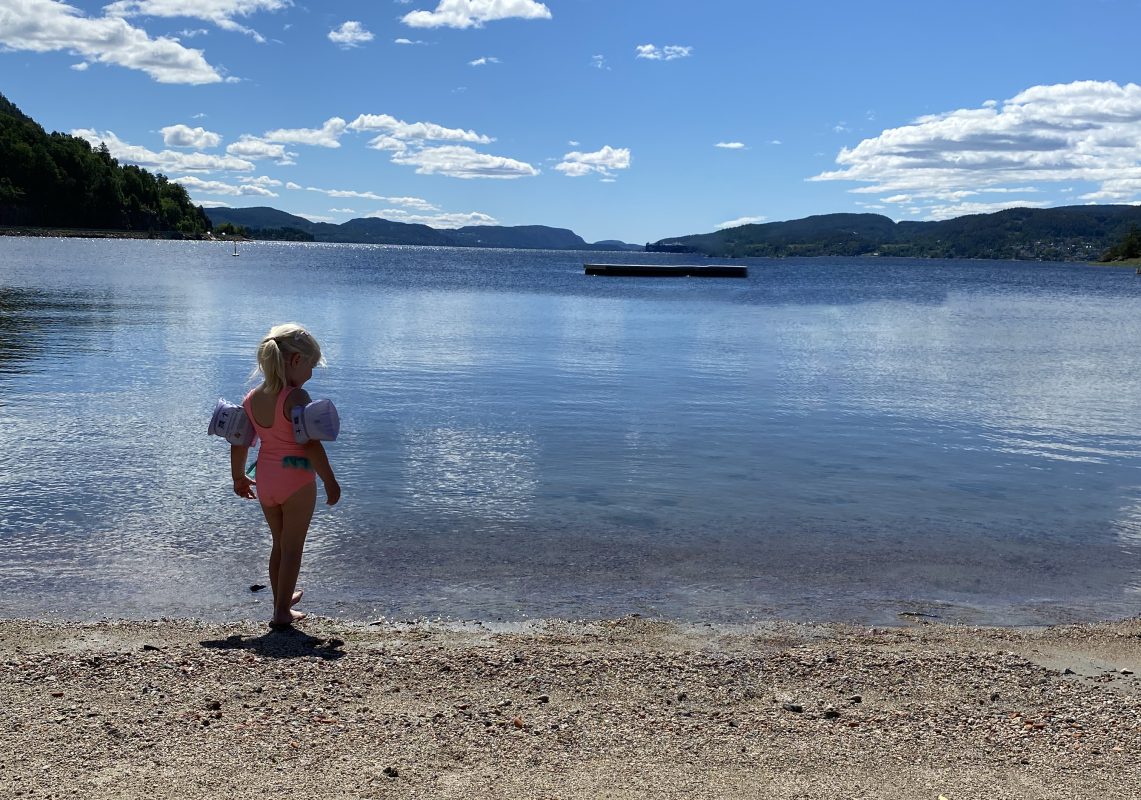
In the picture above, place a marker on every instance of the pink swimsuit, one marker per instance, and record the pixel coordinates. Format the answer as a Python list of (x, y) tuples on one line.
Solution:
[(282, 467)]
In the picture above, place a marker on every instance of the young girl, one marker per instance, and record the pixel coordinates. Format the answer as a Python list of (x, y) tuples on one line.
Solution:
[(286, 471)]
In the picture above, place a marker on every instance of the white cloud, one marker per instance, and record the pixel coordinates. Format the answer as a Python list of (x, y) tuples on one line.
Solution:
[(198, 186), (292, 185), (1086, 131), (81, 66), (394, 128), (407, 141), (328, 135), (416, 203), (598, 62), (479, 62), (390, 143), (473, 13), (48, 25), (341, 211), (345, 193), (219, 12), (167, 161), (730, 145), (193, 138), (445, 220), (735, 223), (602, 161), (953, 210), (252, 147), (350, 34), (457, 161), (261, 180), (408, 41), (667, 53)]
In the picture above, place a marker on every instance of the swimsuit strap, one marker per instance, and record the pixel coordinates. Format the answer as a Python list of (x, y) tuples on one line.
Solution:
[(279, 406)]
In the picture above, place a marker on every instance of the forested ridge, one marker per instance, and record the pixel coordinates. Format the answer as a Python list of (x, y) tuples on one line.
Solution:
[(54, 180), (1070, 233)]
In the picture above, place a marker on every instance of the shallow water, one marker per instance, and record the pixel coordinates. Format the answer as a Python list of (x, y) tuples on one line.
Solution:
[(828, 439)]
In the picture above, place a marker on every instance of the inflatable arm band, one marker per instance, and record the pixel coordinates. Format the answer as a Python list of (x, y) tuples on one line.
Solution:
[(231, 423), (317, 421)]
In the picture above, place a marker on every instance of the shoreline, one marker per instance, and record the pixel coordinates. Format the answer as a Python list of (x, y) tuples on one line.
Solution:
[(622, 708)]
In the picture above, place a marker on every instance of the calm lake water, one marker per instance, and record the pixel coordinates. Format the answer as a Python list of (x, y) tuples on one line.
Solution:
[(828, 439)]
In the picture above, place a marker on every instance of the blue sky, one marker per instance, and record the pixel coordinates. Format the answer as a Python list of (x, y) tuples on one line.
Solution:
[(619, 119)]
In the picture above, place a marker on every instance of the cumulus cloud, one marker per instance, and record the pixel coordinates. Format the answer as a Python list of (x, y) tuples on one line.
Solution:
[(409, 144), (261, 180), (667, 53), (730, 145), (473, 13), (198, 186), (350, 34), (457, 161), (408, 41), (576, 164), (328, 135), (219, 12), (416, 203), (396, 129), (43, 26), (443, 220), (1081, 132), (736, 223), (167, 161), (252, 147), (345, 193), (192, 138), (479, 62)]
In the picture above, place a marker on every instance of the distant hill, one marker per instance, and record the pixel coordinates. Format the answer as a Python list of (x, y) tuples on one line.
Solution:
[(1079, 233), (53, 180), (371, 230)]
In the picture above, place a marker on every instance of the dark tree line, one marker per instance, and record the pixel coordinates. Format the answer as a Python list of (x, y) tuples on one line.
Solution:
[(59, 181), (1127, 248)]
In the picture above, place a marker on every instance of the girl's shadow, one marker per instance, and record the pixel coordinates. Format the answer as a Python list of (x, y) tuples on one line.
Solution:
[(287, 643)]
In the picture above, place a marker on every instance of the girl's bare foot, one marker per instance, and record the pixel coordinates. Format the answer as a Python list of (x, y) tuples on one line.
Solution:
[(296, 597), (295, 616)]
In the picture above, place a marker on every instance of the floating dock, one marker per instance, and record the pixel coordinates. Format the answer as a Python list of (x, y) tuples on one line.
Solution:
[(667, 270)]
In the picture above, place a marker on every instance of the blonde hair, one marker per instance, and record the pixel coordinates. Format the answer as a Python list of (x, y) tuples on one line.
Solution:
[(280, 343)]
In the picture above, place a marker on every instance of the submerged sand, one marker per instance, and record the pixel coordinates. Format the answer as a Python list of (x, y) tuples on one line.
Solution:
[(627, 708)]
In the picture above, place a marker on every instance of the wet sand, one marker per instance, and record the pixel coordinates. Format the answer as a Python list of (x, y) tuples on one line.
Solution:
[(627, 708)]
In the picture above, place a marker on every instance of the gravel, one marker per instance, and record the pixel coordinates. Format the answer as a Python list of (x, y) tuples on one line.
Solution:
[(627, 708)]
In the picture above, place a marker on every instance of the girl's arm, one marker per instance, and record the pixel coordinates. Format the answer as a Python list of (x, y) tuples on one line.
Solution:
[(243, 486), (315, 452)]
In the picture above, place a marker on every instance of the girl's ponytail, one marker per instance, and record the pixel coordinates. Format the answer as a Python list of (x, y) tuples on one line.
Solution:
[(271, 363), (280, 342)]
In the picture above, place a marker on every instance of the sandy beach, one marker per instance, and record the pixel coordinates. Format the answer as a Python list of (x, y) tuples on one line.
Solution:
[(627, 708)]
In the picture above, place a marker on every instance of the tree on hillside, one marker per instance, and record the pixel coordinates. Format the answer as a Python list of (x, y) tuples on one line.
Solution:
[(1129, 247), (60, 181)]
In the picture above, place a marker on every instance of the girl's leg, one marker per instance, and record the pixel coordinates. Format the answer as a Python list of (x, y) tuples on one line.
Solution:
[(275, 519), (273, 516), (296, 514)]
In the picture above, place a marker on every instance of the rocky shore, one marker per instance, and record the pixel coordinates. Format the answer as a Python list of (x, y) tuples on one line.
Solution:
[(627, 708)]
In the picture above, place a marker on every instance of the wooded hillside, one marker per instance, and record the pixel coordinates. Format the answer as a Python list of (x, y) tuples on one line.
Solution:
[(54, 180)]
